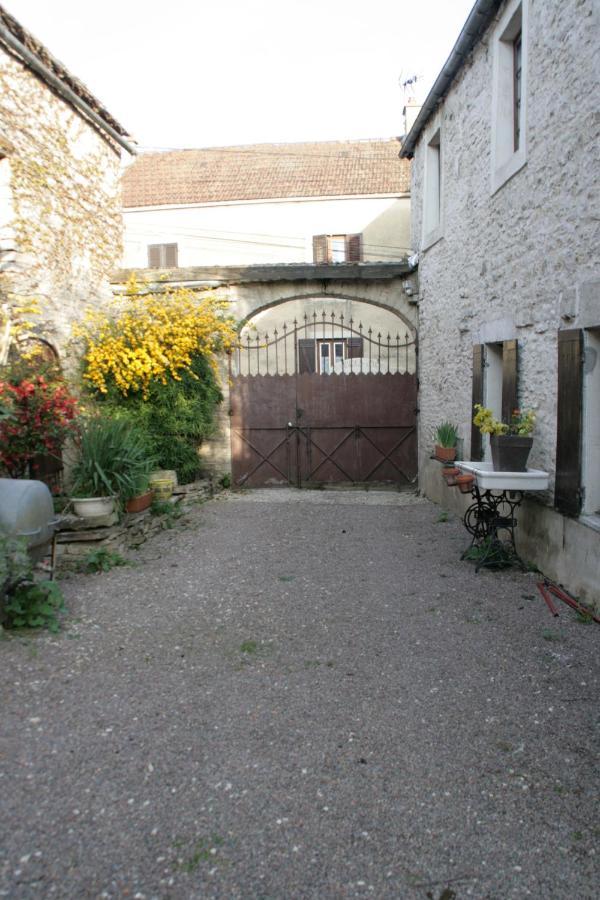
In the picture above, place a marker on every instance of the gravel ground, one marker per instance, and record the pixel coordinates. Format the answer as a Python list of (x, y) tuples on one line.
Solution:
[(302, 696)]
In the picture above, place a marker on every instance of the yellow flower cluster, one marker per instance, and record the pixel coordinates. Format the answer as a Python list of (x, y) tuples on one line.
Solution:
[(522, 421), (154, 337)]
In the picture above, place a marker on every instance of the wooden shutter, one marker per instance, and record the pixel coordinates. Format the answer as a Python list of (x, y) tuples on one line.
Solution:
[(567, 494), (320, 249), (353, 247), (354, 348), (154, 256), (306, 356), (170, 256), (510, 399), (477, 397)]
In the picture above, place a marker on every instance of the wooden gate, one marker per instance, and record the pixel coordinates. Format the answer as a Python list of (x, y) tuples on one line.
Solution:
[(323, 403)]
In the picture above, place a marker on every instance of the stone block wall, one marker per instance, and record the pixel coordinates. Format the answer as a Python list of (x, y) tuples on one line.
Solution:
[(61, 225), (521, 262)]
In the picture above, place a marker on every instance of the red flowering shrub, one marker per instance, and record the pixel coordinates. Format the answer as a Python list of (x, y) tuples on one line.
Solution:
[(40, 418)]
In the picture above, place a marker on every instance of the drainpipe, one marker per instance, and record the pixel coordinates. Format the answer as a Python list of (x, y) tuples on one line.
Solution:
[(62, 88)]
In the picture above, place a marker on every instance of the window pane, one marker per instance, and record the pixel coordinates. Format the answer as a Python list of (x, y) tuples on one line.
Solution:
[(338, 249)]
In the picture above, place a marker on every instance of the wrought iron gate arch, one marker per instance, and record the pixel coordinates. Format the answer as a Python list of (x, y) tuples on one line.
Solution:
[(327, 295), (324, 400)]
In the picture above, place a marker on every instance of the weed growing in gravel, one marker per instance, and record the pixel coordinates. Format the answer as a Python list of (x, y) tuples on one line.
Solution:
[(169, 512), (102, 560), (249, 647), (286, 577), (202, 850), (443, 516), (550, 635)]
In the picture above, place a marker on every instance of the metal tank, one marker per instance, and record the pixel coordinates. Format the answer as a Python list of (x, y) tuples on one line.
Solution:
[(27, 511)]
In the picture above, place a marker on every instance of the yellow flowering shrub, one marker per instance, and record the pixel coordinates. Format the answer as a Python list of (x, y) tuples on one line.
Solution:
[(152, 338)]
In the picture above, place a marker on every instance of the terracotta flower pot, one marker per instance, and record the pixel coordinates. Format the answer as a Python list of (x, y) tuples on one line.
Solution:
[(465, 483), (139, 503), (450, 473), (445, 454)]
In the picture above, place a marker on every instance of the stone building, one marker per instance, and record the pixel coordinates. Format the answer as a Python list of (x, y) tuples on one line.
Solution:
[(60, 206), (504, 203), (336, 201)]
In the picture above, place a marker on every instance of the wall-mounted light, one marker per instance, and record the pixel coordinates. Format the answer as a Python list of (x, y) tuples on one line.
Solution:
[(408, 288)]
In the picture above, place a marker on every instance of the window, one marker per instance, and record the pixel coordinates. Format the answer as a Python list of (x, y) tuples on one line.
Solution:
[(162, 256), (328, 354), (331, 356), (432, 188), (495, 370), (509, 94), (577, 485), (591, 422), (334, 248)]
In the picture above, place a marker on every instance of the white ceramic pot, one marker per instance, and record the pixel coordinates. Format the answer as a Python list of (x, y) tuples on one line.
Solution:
[(89, 507)]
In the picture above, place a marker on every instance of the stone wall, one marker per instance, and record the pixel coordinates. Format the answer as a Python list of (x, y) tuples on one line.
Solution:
[(60, 218), (77, 537), (521, 262)]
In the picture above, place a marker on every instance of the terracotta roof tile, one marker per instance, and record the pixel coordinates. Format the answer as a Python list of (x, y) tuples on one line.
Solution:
[(266, 171)]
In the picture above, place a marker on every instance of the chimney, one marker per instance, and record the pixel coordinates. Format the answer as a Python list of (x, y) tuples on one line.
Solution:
[(410, 113)]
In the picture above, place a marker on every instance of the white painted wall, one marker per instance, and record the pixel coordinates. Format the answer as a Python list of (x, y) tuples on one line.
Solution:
[(280, 231)]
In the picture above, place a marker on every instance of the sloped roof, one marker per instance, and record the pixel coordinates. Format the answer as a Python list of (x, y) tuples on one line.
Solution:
[(266, 171), (41, 53)]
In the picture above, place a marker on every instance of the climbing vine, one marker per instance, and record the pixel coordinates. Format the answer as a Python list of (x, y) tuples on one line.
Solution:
[(61, 224)]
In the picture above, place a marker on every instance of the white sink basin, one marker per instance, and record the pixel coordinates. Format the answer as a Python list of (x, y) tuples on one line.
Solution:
[(489, 480)]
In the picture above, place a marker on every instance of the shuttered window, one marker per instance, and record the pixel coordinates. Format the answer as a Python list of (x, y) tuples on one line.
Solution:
[(354, 349), (567, 493), (306, 356), (162, 256), (330, 248)]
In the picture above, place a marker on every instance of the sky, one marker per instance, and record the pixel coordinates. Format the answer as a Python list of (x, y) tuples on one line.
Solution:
[(192, 73)]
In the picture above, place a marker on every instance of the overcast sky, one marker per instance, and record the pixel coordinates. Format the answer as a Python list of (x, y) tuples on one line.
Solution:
[(192, 73)]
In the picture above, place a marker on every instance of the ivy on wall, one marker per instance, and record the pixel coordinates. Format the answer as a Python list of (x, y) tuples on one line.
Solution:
[(64, 219)]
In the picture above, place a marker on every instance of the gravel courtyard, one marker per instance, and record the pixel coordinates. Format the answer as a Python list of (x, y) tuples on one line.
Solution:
[(302, 696)]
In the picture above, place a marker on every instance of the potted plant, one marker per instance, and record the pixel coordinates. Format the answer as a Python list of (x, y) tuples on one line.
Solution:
[(465, 483), (111, 464), (449, 473), (446, 436), (510, 442)]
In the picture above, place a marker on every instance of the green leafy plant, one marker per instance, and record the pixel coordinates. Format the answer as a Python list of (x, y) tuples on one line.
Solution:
[(34, 605), (112, 459), (175, 416), (446, 435), (102, 560), (225, 480), (169, 512), (24, 602)]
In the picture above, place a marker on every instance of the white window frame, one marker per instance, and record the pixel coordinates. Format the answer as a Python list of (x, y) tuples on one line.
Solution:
[(506, 161), (433, 185)]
